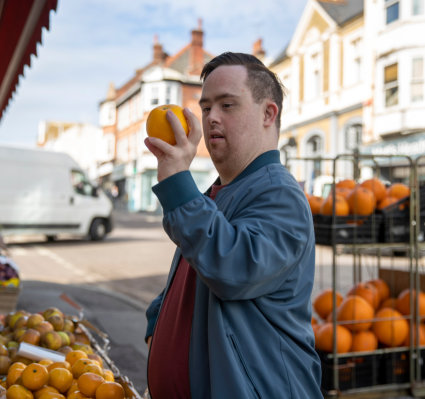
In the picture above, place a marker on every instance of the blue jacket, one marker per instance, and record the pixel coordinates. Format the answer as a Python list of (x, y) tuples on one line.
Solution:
[(253, 249)]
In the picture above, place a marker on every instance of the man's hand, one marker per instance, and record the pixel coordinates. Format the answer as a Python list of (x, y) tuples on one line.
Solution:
[(176, 158)]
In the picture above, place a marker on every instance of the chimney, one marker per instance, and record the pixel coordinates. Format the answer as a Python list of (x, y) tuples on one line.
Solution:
[(196, 50), (158, 53), (257, 49), (111, 92)]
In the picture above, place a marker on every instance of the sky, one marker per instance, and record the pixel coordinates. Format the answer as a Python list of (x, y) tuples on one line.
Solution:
[(94, 42)]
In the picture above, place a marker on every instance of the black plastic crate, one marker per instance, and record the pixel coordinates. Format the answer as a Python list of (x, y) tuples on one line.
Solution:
[(395, 367), (353, 371), (352, 229), (395, 225)]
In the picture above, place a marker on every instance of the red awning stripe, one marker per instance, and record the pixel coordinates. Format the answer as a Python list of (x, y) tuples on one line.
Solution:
[(21, 23)]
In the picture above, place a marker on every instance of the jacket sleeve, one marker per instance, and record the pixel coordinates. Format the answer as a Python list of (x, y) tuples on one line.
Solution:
[(251, 252), (152, 314)]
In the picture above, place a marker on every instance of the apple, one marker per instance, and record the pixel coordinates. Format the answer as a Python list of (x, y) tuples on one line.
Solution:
[(65, 338), (52, 311), (4, 364), (68, 325), (19, 332), (56, 321)]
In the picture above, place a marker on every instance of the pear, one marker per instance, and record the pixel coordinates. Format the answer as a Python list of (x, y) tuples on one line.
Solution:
[(44, 327), (56, 321), (52, 311)]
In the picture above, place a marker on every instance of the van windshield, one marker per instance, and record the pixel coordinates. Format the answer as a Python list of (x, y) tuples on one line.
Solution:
[(80, 183)]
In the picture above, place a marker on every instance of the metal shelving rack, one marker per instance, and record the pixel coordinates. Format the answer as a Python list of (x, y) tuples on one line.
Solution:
[(356, 251)]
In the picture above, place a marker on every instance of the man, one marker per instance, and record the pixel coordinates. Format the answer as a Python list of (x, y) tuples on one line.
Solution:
[(234, 320)]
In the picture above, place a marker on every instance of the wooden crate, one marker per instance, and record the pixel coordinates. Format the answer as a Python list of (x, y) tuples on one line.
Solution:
[(8, 298)]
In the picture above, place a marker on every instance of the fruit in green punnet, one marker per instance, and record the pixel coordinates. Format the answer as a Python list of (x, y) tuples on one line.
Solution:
[(34, 320), (51, 340)]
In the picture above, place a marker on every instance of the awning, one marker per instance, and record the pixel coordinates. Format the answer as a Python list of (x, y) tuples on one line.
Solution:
[(21, 23)]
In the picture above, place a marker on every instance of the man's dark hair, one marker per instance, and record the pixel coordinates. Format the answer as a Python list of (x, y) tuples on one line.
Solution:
[(262, 82)]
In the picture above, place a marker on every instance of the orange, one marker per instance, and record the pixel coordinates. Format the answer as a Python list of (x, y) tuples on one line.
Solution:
[(390, 327), (343, 191), (64, 364), (323, 303), (387, 201), (108, 375), (51, 395), (60, 378), (346, 183), (17, 391), (403, 302), (421, 330), (158, 126), (341, 206), (382, 288), (45, 362), (324, 341), (93, 368), (78, 367), (44, 389), (389, 303), (315, 203), (367, 291), (74, 355), (14, 373), (34, 376), (110, 390), (88, 383), (398, 190), (357, 312), (377, 187), (75, 395), (361, 201), (364, 341)]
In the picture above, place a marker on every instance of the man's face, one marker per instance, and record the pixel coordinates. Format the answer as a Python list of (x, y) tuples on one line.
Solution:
[(232, 121)]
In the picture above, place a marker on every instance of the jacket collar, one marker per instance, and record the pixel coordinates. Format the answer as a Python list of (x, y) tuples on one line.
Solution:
[(265, 158)]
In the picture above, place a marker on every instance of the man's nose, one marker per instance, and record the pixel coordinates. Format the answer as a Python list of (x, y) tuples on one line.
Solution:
[(213, 116)]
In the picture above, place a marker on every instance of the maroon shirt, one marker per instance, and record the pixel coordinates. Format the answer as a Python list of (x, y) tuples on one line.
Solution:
[(168, 367)]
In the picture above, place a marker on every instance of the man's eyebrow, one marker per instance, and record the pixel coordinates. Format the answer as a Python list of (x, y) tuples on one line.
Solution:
[(204, 100)]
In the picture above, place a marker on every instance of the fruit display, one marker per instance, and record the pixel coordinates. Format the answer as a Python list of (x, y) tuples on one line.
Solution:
[(50, 355), (367, 318)]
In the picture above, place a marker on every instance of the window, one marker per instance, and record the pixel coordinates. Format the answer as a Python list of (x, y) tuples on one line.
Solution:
[(417, 84), (353, 136), (167, 94), (316, 74), (392, 11), (417, 7), (357, 59), (81, 185), (154, 96), (391, 85)]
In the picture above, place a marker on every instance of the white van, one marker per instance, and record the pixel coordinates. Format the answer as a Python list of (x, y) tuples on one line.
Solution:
[(45, 192)]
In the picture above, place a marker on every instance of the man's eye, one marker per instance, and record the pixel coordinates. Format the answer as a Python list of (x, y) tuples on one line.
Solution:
[(227, 105), (205, 109)]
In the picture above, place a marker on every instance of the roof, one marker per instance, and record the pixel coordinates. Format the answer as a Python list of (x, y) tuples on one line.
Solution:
[(343, 11), (21, 24)]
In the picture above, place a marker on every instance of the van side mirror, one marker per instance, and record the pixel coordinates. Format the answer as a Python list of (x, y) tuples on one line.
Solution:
[(95, 191)]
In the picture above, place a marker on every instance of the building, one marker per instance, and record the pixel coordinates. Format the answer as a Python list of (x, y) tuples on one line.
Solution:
[(84, 142), (167, 79), (354, 74)]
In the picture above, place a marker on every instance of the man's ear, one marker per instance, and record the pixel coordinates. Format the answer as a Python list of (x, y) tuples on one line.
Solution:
[(270, 113)]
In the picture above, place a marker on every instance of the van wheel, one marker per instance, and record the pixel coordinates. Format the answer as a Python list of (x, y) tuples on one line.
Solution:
[(51, 238), (97, 230)]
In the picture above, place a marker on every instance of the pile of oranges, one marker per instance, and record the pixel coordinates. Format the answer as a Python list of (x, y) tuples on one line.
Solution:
[(77, 377), (367, 317), (361, 199)]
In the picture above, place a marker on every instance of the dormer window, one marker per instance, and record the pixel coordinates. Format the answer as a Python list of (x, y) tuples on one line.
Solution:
[(392, 11)]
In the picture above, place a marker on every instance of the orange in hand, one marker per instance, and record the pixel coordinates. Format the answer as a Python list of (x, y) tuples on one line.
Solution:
[(158, 126)]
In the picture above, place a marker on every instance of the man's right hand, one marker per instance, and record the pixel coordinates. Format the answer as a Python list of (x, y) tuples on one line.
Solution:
[(176, 158)]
